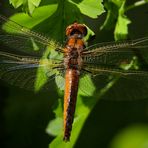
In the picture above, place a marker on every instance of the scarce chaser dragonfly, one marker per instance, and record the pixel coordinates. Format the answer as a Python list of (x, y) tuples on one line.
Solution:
[(72, 61)]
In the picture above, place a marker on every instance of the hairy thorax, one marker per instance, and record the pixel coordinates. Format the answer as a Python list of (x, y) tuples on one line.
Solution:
[(72, 53)]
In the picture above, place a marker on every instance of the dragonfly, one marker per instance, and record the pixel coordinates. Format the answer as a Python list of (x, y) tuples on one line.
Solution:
[(18, 64)]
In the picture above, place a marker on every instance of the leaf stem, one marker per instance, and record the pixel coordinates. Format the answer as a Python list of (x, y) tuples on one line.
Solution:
[(136, 4)]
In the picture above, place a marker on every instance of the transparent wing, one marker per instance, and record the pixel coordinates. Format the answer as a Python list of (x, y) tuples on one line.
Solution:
[(27, 71), (116, 46), (120, 62), (114, 53), (23, 39)]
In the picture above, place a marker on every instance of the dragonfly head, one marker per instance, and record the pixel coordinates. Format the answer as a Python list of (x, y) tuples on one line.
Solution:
[(76, 29)]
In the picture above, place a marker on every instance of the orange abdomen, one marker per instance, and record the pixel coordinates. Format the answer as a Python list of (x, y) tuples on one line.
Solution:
[(71, 89)]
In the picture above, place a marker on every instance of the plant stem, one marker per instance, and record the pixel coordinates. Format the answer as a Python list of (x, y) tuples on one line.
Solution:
[(136, 4)]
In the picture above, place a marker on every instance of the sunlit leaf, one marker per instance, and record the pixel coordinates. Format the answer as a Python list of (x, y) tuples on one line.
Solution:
[(28, 5), (38, 16), (121, 28), (16, 3), (91, 8)]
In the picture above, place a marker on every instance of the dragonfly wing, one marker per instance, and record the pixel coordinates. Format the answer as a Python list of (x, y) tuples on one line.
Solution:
[(119, 66), (129, 88), (27, 72), (122, 85), (23, 39), (116, 46)]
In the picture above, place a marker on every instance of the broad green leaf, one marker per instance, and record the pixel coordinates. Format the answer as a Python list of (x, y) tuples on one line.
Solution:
[(28, 5), (38, 16), (91, 8)]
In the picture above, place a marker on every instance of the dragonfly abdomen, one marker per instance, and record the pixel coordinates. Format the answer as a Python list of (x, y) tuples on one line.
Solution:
[(71, 89)]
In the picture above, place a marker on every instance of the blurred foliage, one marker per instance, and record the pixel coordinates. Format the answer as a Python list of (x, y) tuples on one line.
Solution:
[(135, 136), (51, 18)]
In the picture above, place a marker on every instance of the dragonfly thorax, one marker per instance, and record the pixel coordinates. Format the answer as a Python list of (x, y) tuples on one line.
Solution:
[(72, 54)]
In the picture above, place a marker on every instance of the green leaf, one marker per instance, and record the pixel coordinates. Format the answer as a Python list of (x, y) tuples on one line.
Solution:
[(39, 15), (112, 14), (60, 81), (86, 86), (35, 2), (116, 18), (91, 8), (112, 7), (121, 28), (16, 3), (118, 3), (55, 127), (47, 72), (32, 5), (28, 5)]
